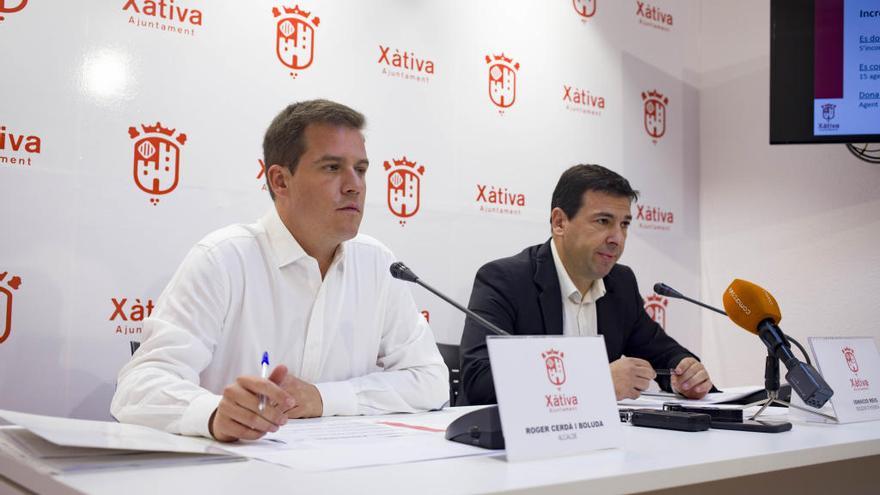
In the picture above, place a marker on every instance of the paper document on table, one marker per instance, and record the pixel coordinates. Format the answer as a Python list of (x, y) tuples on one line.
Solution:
[(106, 435), (43, 456), (324, 444), (313, 433), (657, 399)]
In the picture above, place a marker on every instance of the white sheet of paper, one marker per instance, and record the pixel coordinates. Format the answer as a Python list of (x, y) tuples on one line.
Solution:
[(107, 435), (729, 394), (555, 395), (324, 444), (318, 433)]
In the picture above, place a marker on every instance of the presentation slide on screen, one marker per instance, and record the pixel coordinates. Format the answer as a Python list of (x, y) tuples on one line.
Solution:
[(847, 68)]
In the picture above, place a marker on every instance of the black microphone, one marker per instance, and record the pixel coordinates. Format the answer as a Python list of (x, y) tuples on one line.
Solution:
[(480, 428), (402, 272), (665, 290)]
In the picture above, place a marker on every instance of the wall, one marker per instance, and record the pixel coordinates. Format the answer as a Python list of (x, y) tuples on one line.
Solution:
[(802, 221), (87, 246)]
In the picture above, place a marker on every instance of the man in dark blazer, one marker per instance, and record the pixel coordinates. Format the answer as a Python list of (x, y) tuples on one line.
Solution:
[(527, 295)]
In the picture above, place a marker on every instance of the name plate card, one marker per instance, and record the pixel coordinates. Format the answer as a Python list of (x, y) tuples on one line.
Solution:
[(555, 395), (851, 366)]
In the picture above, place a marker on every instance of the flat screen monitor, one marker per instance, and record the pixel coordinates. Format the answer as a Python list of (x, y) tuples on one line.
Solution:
[(824, 71)]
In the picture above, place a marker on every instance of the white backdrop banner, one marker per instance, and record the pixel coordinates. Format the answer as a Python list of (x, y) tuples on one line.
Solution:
[(481, 105)]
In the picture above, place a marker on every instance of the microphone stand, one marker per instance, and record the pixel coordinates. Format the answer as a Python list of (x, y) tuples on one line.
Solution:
[(771, 365), (771, 386), (482, 427)]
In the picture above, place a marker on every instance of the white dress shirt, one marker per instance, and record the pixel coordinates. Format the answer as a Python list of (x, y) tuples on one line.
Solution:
[(244, 289), (578, 310)]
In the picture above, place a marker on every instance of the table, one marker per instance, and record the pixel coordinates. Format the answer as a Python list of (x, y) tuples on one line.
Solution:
[(811, 458)]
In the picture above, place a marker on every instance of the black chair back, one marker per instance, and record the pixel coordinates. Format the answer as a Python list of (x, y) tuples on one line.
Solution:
[(453, 361)]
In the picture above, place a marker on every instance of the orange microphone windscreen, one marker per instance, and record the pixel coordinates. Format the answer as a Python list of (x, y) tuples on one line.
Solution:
[(748, 305)]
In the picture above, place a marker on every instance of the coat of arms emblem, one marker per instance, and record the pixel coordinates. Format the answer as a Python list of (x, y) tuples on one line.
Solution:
[(404, 187), (850, 355), (655, 306), (555, 366), (655, 114), (295, 37), (828, 111), (156, 159), (502, 80)]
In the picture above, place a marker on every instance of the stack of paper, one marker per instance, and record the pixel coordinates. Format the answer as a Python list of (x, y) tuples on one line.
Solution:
[(51, 444)]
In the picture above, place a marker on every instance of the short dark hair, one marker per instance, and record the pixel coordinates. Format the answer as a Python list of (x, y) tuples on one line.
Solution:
[(285, 143), (577, 180)]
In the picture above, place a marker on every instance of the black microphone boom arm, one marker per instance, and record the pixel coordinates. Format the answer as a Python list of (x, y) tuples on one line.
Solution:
[(479, 319), (402, 272), (481, 428), (665, 290)]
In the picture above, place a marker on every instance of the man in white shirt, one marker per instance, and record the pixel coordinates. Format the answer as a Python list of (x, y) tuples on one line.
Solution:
[(300, 284)]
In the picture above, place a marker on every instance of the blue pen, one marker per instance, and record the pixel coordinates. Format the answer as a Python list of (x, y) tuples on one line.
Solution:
[(264, 373)]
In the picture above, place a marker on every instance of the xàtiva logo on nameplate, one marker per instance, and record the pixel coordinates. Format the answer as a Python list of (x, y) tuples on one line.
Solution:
[(555, 395)]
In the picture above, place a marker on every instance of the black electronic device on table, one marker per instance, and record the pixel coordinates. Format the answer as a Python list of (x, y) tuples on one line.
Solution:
[(754, 425), (716, 413), (666, 420), (732, 419)]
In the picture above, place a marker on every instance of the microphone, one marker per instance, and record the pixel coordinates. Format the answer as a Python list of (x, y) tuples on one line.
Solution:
[(480, 428), (756, 310), (402, 272), (665, 290)]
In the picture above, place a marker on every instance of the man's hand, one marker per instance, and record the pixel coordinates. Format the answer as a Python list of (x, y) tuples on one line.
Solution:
[(238, 416), (307, 399), (631, 377), (691, 379)]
